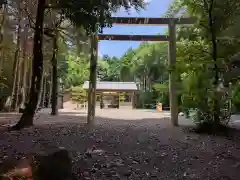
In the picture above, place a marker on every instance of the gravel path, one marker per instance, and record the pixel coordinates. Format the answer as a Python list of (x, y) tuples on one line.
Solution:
[(130, 149)]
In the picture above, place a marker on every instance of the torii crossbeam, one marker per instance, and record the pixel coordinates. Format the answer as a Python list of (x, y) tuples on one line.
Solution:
[(171, 38)]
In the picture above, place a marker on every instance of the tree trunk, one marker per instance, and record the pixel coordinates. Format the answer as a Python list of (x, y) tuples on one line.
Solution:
[(29, 82), (37, 69), (92, 81), (18, 87), (54, 76), (41, 92), (24, 86), (2, 24), (25, 70), (216, 107), (12, 103), (172, 74), (44, 92), (16, 64), (50, 89)]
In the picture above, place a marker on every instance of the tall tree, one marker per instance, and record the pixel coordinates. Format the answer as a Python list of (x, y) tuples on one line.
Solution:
[(37, 66), (55, 75), (17, 61)]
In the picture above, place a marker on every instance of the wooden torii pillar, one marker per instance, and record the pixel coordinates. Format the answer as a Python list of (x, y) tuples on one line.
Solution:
[(171, 38), (92, 80)]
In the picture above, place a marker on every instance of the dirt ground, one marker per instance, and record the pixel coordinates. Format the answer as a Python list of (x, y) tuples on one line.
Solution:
[(129, 145)]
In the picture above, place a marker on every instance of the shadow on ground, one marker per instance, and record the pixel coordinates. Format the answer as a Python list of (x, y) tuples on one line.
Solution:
[(129, 149)]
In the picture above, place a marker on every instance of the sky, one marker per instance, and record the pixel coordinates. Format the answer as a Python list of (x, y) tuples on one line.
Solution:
[(156, 8)]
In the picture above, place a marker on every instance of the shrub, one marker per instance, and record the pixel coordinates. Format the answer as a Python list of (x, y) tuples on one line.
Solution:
[(236, 98), (197, 102), (78, 95)]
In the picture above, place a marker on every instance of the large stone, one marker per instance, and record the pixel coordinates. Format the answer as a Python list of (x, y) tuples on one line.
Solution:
[(54, 166), (12, 168), (51, 165)]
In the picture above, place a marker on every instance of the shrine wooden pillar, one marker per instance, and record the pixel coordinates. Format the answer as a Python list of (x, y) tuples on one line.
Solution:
[(133, 100), (92, 80), (172, 74), (118, 94), (101, 101)]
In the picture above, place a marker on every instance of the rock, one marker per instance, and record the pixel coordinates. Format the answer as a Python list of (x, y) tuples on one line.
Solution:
[(94, 151), (98, 151), (54, 166), (135, 162), (12, 168), (116, 154), (164, 154)]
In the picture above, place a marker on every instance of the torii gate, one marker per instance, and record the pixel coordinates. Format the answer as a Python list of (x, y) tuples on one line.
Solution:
[(171, 38)]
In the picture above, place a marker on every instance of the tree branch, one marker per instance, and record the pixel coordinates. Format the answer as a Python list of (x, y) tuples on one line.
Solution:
[(30, 19), (47, 31), (206, 5)]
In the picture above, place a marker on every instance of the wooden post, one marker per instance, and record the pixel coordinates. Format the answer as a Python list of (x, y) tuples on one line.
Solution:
[(133, 100), (50, 89), (92, 80), (101, 100), (172, 76), (119, 100), (86, 100), (55, 83)]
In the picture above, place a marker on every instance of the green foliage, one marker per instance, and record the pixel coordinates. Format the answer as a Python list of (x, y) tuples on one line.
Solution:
[(201, 79), (78, 95), (197, 100), (161, 93), (122, 97), (126, 68), (109, 68), (236, 98), (146, 65), (103, 70), (176, 9), (150, 58), (222, 12), (147, 100), (77, 72), (161, 87), (62, 60), (95, 15), (194, 66), (196, 92)]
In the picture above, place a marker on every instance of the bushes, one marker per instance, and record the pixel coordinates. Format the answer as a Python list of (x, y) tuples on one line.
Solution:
[(197, 102), (161, 93), (78, 95), (146, 100), (236, 98), (149, 99)]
